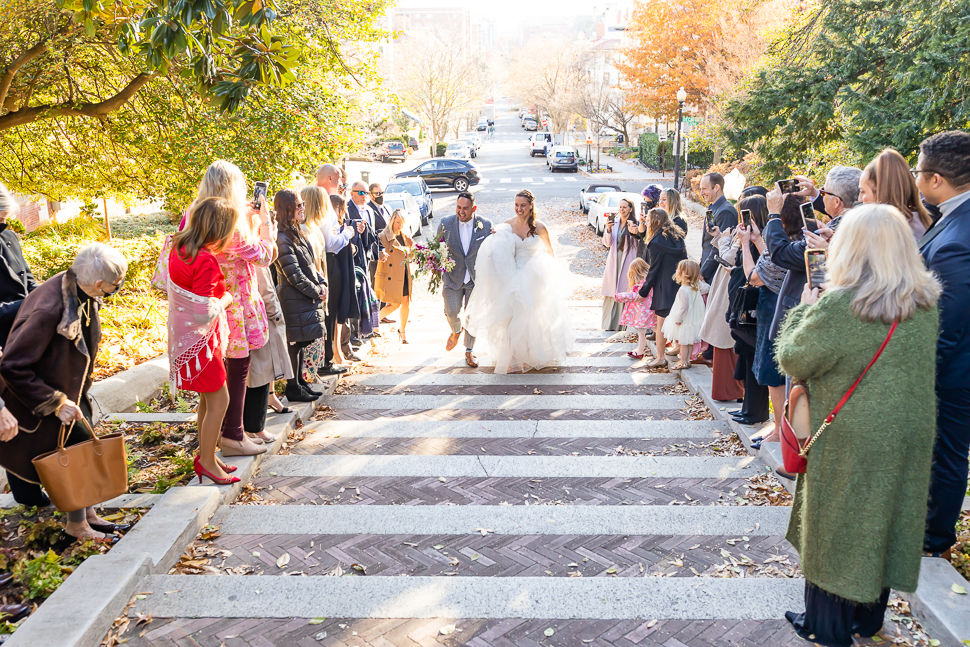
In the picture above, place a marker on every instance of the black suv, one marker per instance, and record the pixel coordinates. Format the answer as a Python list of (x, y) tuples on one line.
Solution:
[(445, 173)]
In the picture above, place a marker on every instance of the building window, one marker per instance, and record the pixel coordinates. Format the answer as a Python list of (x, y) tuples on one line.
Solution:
[(606, 78)]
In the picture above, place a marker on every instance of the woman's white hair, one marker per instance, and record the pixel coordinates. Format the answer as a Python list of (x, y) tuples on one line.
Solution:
[(99, 262), (873, 253), (7, 202)]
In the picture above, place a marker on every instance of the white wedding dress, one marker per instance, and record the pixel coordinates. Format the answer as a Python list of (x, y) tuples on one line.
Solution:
[(519, 303)]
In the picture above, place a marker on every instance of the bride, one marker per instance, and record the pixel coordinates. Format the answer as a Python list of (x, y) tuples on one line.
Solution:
[(519, 300)]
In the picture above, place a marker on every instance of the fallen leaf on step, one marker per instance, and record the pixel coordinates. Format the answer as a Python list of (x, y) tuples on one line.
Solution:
[(538, 392), (447, 630), (548, 632), (959, 590), (359, 567), (317, 621), (283, 560)]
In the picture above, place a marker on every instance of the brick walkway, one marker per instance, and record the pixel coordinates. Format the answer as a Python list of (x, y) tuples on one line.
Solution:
[(539, 553)]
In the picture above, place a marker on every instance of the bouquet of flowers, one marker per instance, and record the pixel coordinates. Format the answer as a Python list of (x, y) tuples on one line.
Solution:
[(433, 260)]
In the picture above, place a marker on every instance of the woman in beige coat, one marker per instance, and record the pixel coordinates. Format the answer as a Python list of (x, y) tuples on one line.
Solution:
[(392, 283)]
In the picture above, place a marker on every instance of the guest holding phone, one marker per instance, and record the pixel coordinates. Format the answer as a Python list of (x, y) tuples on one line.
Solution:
[(666, 249), (853, 549), (623, 250)]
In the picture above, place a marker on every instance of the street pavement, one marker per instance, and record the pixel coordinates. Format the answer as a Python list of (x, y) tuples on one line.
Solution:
[(506, 168)]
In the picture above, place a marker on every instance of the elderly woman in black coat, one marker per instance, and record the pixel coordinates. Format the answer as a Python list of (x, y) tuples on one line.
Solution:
[(665, 248), (301, 288)]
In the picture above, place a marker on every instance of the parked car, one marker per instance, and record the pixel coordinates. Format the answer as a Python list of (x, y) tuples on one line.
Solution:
[(562, 158), (445, 173), (417, 189), (482, 124), (413, 143), (606, 206), (409, 207), (459, 150), (473, 138), (392, 151), (537, 143), (592, 192), (530, 124)]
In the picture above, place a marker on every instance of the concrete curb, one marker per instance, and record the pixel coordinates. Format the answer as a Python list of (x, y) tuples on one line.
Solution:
[(944, 614), (121, 391), (81, 611)]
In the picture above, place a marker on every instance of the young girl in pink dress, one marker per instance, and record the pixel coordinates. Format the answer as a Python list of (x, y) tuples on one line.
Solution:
[(636, 310)]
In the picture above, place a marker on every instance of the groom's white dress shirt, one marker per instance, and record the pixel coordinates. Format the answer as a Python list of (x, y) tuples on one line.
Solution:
[(465, 233)]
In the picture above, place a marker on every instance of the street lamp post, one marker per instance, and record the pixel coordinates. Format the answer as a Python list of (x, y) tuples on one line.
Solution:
[(681, 98)]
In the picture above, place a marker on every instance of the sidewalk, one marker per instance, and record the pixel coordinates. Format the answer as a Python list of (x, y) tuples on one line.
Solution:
[(627, 170)]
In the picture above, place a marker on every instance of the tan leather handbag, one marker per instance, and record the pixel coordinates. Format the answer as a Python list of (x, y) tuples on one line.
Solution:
[(84, 474)]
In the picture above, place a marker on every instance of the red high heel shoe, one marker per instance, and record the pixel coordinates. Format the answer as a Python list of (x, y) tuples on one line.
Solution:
[(229, 469), (201, 471)]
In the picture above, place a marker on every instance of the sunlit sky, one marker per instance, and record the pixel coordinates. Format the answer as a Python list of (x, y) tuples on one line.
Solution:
[(513, 10)]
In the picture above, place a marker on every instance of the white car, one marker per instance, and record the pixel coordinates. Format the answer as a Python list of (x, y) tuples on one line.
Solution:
[(474, 140), (607, 205), (459, 150), (412, 212), (592, 192), (537, 143)]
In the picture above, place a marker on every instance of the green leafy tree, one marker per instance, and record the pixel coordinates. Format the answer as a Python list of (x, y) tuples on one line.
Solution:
[(300, 98), (852, 77)]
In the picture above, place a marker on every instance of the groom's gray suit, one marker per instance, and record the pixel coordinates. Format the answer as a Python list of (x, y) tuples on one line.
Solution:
[(454, 288)]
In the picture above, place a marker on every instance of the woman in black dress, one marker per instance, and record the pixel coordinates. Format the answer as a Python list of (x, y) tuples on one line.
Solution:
[(665, 248)]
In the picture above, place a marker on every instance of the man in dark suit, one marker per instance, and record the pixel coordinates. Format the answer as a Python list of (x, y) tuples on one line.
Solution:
[(381, 213), (463, 233), (725, 217), (943, 177)]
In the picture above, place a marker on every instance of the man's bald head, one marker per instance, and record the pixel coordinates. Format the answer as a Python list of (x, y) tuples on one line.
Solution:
[(358, 193), (328, 177)]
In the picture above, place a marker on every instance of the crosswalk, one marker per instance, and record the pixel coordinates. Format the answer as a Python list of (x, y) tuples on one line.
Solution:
[(439, 504), (528, 180)]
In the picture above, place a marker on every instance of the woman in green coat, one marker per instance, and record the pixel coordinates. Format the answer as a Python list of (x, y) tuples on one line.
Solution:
[(860, 507)]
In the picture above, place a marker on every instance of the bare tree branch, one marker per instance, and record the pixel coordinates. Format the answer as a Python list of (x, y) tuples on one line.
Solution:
[(7, 78)]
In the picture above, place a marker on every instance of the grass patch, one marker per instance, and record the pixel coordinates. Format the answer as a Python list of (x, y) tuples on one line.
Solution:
[(133, 322)]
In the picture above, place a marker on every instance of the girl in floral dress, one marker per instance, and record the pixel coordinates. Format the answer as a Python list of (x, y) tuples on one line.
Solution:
[(249, 247), (636, 310)]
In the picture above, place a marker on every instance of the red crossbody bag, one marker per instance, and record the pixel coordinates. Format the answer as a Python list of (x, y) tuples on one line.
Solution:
[(795, 430)]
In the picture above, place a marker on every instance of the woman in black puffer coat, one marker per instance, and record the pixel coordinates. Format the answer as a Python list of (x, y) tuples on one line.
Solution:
[(302, 290), (665, 249)]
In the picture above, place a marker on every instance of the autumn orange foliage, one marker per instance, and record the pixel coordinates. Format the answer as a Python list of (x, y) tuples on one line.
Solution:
[(704, 46)]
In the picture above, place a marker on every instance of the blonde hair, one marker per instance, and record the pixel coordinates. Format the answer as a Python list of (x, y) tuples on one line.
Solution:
[(674, 205), (638, 271), (874, 254), (224, 180), (213, 221), (688, 273), (894, 185), (394, 216), (317, 204)]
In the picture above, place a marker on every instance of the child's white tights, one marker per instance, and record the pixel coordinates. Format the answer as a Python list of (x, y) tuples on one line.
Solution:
[(641, 340)]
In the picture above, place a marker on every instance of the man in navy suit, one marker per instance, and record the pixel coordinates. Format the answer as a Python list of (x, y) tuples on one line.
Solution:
[(943, 177)]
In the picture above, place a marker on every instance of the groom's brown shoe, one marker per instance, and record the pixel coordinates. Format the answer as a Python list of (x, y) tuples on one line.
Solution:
[(470, 359), (452, 340)]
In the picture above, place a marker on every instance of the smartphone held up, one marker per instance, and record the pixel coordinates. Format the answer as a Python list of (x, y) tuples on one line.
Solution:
[(815, 267), (789, 185), (709, 218), (808, 213), (260, 191)]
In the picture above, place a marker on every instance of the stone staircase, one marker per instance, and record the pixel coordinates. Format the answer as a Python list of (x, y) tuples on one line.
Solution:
[(439, 504)]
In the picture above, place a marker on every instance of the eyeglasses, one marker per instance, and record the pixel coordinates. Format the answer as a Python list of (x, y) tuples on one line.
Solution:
[(361, 192), (830, 194), (377, 194), (343, 187), (302, 205), (917, 171)]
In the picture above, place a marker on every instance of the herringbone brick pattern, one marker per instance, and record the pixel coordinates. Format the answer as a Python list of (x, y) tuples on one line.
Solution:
[(511, 414), (512, 555), (497, 491), (353, 632), (504, 389), (322, 444)]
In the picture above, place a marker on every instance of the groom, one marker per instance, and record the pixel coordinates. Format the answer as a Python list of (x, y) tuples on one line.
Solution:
[(463, 233)]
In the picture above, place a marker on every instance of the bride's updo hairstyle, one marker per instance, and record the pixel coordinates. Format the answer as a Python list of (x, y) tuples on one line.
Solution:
[(525, 193)]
